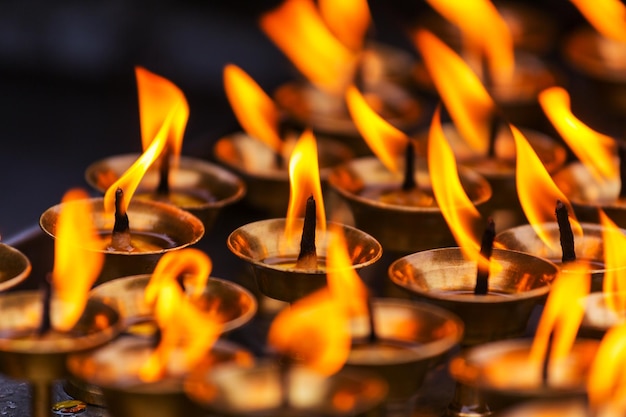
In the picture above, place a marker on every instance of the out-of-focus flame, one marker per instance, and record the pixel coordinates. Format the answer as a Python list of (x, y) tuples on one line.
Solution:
[(613, 284), (77, 260), (606, 384), (536, 190), (456, 207), (595, 150), (485, 31), (187, 332), (606, 16), (386, 141), (562, 315), (465, 97), (256, 112), (304, 181), (348, 20), (297, 28)]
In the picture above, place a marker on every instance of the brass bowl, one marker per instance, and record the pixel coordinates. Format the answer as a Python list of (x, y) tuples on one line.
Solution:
[(15, 267), (258, 391), (268, 184), (388, 223), (502, 374), (42, 360), (113, 368), (599, 316), (197, 186), (169, 227), (590, 247), (264, 247), (549, 408), (444, 277), (412, 337)]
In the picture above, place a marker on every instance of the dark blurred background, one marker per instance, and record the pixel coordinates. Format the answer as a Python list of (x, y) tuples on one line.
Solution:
[(67, 86)]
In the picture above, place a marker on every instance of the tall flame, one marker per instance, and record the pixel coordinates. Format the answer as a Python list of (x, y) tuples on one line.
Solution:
[(606, 16), (297, 28), (613, 284), (595, 150), (484, 29), (348, 20), (537, 192), (386, 141), (256, 112), (466, 99), (77, 260), (304, 180), (455, 205), (606, 384), (562, 314), (187, 332)]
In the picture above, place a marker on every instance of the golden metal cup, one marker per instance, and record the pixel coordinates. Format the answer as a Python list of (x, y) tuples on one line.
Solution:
[(42, 359), (264, 246), (601, 314), (399, 228), (197, 186), (15, 267)]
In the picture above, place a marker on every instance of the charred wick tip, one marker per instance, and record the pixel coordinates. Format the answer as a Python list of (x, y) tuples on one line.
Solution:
[(46, 294), (163, 187), (565, 232), (373, 336), (409, 168), (121, 218), (307, 259), (486, 249)]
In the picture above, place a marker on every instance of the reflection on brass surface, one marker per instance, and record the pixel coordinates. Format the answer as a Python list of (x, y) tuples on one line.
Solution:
[(445, 278), (197, 186), (15, 267), (261, 243)]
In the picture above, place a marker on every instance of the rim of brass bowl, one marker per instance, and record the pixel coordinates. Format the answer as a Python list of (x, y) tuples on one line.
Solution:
[(27, 304), (406, 272), (209, 389), (582, 50), (181, 226), (347, 180), (16, 267), (547, 408), (126, 293)]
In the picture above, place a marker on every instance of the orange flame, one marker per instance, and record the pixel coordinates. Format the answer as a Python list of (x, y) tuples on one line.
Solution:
[(615, 266), (485, 30), (562, 314), (465, 97), (606, 384), (297, 28), (77, 262), (606, 16), (595, 150), (455, 205), (386, 141), (348, 20), (187, 332), (256, 112), (537, 192), (314, 331), (304, 180)]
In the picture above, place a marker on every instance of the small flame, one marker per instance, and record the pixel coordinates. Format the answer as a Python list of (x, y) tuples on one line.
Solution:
[(187, 332), (77, 262), (455, 205), (297, 28), (537, 192), (348, 20), (466, 99), (613, 283), (595, 150), (485, 31), (606, 16), (562, 314), (256, 112), (606, 384), (304, 180), (386, 141)]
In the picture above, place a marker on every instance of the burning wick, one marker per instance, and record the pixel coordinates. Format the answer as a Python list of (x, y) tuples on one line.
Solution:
[(546, 360), (120, 238), (284, 364), (409, 168), (486, 249), (566, 234), (307, 259), (373, 336), (621, 152), (164, 173), (46, 294)]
